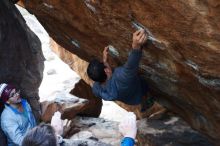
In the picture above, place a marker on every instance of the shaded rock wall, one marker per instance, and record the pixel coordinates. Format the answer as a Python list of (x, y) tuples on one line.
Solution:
[(183, 68), (94, 106), (67, 104), (168, 131), (21, 58)]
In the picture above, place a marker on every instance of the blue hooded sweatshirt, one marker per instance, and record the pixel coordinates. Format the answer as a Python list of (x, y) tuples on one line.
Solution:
[(125, 84)]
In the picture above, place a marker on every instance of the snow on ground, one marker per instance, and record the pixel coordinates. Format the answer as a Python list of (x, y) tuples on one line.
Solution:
[(58, 76)]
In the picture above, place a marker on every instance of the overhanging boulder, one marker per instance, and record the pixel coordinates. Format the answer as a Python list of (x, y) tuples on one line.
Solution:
[(182, 67)]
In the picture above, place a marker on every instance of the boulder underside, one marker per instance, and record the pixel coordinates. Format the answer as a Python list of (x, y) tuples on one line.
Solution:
[(181, 64)]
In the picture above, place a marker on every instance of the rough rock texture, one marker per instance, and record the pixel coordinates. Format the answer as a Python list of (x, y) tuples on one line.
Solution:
[(94, 107), (67, 104), (98, 129), (168, 131), (155, 110), (182, 66), (84, 142), (21, 58)]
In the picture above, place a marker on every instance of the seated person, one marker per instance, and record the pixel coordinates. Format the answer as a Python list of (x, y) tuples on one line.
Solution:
[(124, 84), (17, 117), (128, 128)]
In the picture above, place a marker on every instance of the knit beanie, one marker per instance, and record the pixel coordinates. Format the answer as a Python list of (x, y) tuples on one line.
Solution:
[(5, 91)]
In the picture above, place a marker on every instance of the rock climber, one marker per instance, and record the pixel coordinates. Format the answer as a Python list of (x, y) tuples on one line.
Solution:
[(124, 84)]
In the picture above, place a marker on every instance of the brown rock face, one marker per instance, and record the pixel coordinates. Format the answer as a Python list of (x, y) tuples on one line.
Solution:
[(21, 58), (182, 67), (94, 106), (68, 105)]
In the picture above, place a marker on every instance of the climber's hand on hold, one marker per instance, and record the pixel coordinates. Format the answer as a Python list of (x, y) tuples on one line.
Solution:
[(139, 38), (105, 54)]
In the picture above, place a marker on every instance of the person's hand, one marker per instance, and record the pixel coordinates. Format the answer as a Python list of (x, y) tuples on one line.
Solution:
[(128, 126), (139, 38), (57, 123), (105, 54)]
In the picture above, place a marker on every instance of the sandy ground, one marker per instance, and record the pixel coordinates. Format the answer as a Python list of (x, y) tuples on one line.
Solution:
[(60, 77)]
